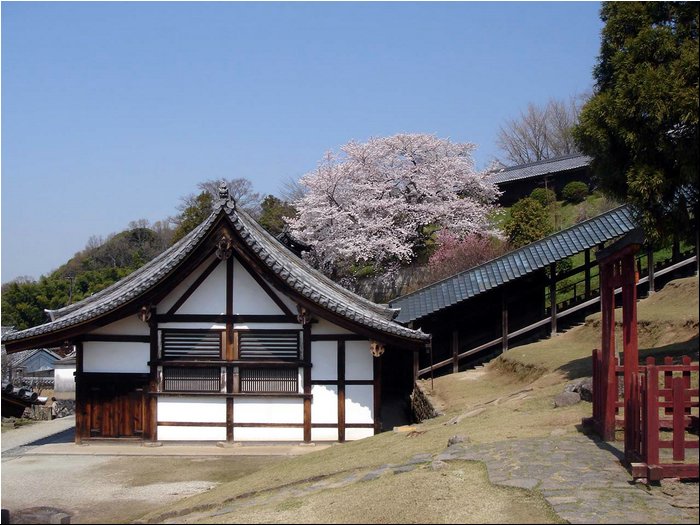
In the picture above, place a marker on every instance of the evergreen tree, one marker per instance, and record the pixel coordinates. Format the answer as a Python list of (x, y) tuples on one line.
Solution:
[(641, 125)]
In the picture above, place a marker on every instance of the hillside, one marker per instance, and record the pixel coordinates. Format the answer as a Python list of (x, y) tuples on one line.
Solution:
[(399, 477)]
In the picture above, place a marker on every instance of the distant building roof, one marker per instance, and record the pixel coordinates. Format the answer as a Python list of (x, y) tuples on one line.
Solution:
[(513, 265), (18, 359), (540, 168), (294, 272)]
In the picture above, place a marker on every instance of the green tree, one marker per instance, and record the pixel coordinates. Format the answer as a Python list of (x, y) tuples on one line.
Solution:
[(528, 222), (272, 213), (193, 215), (575, 192), (641, 125)]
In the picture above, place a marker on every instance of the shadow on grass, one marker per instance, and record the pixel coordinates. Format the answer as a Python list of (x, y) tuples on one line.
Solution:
[(583, 367)]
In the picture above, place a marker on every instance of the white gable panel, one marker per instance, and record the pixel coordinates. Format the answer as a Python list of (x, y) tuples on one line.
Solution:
[(359, 364), (100, 356), (131, 325), (359, 404), (324, 404), (248, 295), (169, 300), (326, 327), (324, 358), (210, 296), (191, 433), (191, 409)]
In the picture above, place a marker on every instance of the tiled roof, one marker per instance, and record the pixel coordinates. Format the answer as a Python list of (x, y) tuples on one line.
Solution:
[(296, 273), (513, 265), (542, 167)]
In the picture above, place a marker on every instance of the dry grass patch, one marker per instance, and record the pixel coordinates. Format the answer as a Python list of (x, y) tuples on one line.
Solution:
[(460, 493)]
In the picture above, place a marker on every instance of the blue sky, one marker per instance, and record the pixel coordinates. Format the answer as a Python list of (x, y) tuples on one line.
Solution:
[(113, 111)]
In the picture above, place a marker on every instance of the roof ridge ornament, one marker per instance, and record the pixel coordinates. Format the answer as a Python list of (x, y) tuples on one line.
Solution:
[(225, 197)]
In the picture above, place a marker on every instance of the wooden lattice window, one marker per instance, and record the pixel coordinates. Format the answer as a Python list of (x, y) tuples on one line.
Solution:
[(185, 379), (277, 346)]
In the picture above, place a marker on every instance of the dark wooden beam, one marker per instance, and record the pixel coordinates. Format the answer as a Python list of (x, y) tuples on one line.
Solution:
[(341, 391), (81, 425), (114, 338), (306, 338), (377, 392), (553, 296), (152, 401), (455, 351)]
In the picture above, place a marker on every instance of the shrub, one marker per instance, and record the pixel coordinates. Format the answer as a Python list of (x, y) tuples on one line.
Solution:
[(455, 254), (575, 192), (544, 196), (529, 221)]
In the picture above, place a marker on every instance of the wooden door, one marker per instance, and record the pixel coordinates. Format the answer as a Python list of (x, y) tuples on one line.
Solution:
[(116, 407)]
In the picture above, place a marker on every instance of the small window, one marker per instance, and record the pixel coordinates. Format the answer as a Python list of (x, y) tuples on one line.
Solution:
[(269, 346), (191, 344)]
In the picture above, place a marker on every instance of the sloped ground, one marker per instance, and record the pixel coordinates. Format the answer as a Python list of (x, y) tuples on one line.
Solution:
[(521, 459)]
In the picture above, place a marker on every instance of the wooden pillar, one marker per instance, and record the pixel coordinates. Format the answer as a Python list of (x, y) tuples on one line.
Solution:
[(152, 399), (609, 380), (377, 387), (455, 351), (306, 334), (650, 266), (416, 360), (553, 296), (587, 270), (231, 352), (504, 322), (629, 339), (341, 391), (80, 396)]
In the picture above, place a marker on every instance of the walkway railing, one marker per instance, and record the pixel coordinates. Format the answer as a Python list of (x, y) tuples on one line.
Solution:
[(507, 336)]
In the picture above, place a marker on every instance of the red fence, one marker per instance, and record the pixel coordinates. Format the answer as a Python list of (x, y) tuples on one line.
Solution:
[(658, 412)]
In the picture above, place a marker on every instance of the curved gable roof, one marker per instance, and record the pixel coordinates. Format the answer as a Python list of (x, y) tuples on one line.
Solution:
[(294, 272)]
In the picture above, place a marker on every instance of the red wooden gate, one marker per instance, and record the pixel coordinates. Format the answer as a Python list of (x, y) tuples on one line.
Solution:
[(657, 425)]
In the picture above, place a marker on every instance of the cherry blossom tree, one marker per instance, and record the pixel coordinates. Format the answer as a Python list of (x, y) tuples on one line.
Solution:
[(379, 201)]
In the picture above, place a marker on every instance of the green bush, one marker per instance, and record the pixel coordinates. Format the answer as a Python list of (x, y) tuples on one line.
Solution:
[(544, 196), (575, 192), (529, 221)]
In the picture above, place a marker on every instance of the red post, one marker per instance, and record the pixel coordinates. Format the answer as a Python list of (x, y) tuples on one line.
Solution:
[(686, 381), (609, 379), (651, 415), (678, 420), (668, 381)]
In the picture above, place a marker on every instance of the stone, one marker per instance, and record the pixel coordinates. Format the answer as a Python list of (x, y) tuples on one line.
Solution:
[(583, 387), (404, 428), (438, 465), (457, 438), (566, 399)]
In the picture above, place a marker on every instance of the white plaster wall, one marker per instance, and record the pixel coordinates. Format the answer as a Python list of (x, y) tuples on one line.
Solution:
[(324, 404), (268, 410), (325, 434), (267, 434), (359, 364), (192, 409), (352, 434), (63, 378), (359, 404), (198, 326), (101, 356), (210, 296), (248, 296), (130, 325), (191, 434), (326, 327), (324, 357), (169, 300)]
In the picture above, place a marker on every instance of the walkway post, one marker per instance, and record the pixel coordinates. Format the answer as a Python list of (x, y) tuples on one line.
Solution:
[(553, 296)]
